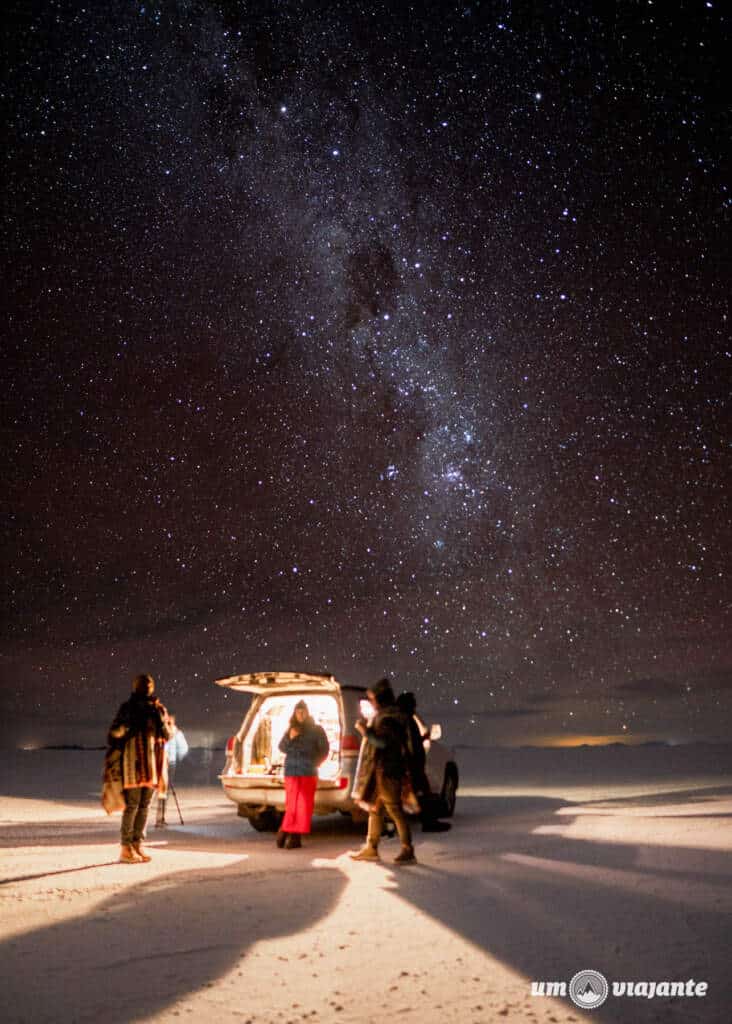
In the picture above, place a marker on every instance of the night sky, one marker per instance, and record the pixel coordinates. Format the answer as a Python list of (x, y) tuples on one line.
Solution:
[(370, 338)]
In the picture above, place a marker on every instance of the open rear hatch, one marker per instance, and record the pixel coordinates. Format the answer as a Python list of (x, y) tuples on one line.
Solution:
[(257, 757), (279, 682)]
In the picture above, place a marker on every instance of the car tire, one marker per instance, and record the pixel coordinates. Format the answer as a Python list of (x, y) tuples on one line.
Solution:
[(448, 796), (268, 820)]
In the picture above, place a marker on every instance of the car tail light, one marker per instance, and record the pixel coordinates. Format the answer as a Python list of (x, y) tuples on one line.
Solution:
[(351, 742), (230, 745), (343, 782)]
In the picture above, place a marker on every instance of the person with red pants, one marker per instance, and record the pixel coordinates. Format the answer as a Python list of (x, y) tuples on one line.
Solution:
[(305, 747)]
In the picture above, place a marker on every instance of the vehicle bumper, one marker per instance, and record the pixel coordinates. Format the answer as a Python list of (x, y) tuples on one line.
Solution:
[(251, 792)]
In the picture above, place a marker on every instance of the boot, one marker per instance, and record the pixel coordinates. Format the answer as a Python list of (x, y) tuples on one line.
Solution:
[(405, 856), (137, 847), (128, 855), (294, 842), (281, 839), (367, 852)]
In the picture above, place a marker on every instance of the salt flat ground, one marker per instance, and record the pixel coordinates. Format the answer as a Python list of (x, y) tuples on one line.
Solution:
[(554, 864)]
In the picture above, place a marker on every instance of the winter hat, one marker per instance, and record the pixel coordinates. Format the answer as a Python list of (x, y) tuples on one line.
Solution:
[(301, 704), (383, 693)]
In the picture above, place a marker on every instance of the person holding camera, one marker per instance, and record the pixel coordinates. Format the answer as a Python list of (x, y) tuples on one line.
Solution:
[(384, 772), (305, 746), (138, 735)]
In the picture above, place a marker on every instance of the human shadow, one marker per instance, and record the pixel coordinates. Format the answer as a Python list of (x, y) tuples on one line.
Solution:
[(698, 814), (522, 829), (542, 903), (676, 796), (549, 906), (60, 871), (152, 944)]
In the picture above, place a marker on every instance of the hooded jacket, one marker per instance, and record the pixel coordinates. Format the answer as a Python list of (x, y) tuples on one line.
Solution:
[(306, 752)]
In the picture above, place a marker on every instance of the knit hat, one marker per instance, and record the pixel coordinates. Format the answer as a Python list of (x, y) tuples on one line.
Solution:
[(301, 704), (383, 693)]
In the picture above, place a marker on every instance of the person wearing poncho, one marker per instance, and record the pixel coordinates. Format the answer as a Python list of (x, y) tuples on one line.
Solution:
[(136, 764), (305, 746)]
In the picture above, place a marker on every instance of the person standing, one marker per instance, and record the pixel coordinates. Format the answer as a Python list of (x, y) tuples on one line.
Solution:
[(384, 765), (428, 801), (305, 746), (139, 732), (176, 748)]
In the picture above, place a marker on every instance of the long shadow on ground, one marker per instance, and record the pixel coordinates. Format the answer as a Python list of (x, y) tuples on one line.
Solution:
[(548, 907), (543, 904), (151, 945)]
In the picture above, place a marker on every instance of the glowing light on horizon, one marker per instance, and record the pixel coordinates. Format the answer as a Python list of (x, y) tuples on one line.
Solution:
[(592, 740)]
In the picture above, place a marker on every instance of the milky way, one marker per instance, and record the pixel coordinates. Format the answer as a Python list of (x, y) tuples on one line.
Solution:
[(373, 339)]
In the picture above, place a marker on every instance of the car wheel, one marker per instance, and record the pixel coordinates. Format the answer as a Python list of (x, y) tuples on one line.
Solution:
[(267, 820), (448, 796)]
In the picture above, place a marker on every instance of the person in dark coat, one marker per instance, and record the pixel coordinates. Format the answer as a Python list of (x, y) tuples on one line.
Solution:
[(407, 704), (385, 765), (305, 746), (429, 803), (139, 732)]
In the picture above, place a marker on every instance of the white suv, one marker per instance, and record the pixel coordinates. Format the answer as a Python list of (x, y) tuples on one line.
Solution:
[(252, 776)]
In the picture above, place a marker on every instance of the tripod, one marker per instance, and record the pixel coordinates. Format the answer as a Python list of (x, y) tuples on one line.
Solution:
[(175, 797), (171, 787)]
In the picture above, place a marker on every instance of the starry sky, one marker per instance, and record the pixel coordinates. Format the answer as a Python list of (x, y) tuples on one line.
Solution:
[(374, 338)]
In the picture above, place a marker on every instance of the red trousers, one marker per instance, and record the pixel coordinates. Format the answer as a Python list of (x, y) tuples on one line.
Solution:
[(299, 801)]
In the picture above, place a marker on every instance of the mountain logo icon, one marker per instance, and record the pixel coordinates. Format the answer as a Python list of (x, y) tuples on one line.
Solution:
[(588, 989)]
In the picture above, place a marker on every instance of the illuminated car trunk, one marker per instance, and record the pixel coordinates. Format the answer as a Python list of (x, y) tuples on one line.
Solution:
[(261, 758)]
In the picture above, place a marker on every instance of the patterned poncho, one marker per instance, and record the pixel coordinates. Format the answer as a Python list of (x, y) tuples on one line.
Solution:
[(136, 750)]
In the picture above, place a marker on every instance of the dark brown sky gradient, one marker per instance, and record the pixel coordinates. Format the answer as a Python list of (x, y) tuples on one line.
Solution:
[(370, 339)]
